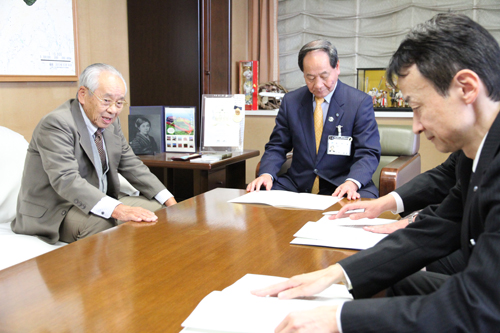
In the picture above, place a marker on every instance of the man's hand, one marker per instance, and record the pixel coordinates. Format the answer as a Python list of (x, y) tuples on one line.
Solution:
[(171, 201), (137, 214), (262, 180), (387, 228), (372, 208), (349, 189), (321, 319), (304, 285)]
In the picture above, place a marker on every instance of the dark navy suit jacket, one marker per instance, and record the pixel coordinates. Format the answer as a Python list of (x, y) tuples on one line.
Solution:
[(294, 129)]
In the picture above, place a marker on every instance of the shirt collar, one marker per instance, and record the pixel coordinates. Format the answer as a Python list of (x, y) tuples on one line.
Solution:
[(478, 154), (329, 96), (91, 127)]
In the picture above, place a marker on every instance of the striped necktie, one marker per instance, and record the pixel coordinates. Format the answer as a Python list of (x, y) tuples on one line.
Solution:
[(100, 147)]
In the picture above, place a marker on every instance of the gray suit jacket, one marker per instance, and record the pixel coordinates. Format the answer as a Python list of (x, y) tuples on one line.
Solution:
[(59, 172)]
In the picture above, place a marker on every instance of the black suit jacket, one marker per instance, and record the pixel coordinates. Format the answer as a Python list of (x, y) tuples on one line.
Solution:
[(430, 187), (468, 219)]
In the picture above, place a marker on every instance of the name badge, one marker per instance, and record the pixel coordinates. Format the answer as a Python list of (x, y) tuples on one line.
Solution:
[(339, 145)]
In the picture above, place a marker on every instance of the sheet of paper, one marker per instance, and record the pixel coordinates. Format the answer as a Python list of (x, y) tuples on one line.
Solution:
[(345, 237), (233, 310), (348, 221), (251, 282), (288, 199)]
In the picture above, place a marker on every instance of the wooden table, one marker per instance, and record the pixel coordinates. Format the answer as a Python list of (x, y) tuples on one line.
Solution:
[(185, 179), (148, 278)]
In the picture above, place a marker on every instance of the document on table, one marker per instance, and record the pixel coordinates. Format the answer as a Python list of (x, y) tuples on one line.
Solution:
[(347, 221), (288, 199), (332, 235), (235, 309)]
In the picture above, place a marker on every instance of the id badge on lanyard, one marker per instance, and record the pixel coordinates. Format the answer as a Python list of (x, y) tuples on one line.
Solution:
[(339, 145)]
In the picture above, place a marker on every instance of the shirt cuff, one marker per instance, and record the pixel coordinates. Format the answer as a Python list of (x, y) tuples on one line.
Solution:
[(272, 178), (337, 316), (347, 280), (105, 207), (355, 182), (163, 196), (399, 203)]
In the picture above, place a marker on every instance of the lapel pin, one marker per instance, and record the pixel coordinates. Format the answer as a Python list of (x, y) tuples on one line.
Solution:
[(330, 119), (337, 114)]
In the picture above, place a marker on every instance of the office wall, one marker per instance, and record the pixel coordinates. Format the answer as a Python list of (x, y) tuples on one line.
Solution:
[(102, 37)]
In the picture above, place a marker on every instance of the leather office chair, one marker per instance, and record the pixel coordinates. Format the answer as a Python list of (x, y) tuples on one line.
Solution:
[(399, 160)]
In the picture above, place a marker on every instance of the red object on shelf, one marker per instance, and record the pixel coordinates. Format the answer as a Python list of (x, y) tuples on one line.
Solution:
[(249, 83)]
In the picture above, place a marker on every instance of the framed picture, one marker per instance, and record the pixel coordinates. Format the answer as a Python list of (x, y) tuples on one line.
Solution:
[(145, 133), (249, 83), (384, 97), (180, 131)]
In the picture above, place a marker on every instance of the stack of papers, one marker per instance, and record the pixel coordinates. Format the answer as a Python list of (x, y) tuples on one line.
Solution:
[(235, 309), (288, 199), (341, 233)]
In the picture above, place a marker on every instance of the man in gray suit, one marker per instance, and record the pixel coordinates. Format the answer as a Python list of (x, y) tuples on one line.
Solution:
[(70, 186)]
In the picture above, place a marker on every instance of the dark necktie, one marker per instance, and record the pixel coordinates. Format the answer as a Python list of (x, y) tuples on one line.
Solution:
[(100, 148)]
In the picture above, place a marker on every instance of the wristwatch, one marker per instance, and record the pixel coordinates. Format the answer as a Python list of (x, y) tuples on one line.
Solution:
[(411, 218)]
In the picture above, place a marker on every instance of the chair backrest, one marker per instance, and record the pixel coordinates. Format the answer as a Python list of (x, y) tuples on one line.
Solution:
[(13, 148), (395, 141)]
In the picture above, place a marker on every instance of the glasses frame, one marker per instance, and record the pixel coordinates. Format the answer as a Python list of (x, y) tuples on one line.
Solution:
[(107, 105)]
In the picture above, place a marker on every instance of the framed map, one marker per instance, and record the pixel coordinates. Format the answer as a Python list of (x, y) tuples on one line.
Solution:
[(38, 40)]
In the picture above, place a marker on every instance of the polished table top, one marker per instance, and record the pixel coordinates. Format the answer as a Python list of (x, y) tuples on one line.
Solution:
[(164, 160), (148, 278)]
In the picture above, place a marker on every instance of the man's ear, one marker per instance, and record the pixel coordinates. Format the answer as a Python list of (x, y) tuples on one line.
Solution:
[(82, 92), (469, 84)]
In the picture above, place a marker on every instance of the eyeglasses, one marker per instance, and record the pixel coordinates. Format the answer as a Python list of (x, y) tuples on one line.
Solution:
[(107, 103)]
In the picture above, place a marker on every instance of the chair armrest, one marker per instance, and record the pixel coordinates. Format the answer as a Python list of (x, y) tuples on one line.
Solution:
[(399, 172)]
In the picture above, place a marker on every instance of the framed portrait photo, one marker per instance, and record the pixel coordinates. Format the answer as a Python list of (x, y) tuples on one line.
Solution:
[(145, 133)]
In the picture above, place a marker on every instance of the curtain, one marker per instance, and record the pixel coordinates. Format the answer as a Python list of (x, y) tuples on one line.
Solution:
[(365, 32), (263, 36)]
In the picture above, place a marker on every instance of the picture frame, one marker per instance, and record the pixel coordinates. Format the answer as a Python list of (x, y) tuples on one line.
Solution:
[(155, 115), (145, 133), (222, 122), (249, 83), (384, 97), (180, 129)]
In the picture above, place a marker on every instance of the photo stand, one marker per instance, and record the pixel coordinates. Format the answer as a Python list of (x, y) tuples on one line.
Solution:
[(222, 123)]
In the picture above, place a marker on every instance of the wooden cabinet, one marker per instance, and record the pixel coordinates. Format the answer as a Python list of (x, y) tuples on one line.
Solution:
[(178, 50)]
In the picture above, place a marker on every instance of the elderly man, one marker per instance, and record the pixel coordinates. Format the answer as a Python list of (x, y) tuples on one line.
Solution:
[(70, 186), (449, 72), (330, 127)]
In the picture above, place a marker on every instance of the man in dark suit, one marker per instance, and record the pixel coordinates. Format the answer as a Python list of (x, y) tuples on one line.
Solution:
[(448, 70), (70, 186), (343, 156)]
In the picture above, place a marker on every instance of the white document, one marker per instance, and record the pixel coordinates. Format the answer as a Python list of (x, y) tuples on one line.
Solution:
[(288, 199), (235, 309), (348, 221), (345, 237)]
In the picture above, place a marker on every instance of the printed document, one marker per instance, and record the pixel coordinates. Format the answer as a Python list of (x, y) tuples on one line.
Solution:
[(235, 309), (288, 199)]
